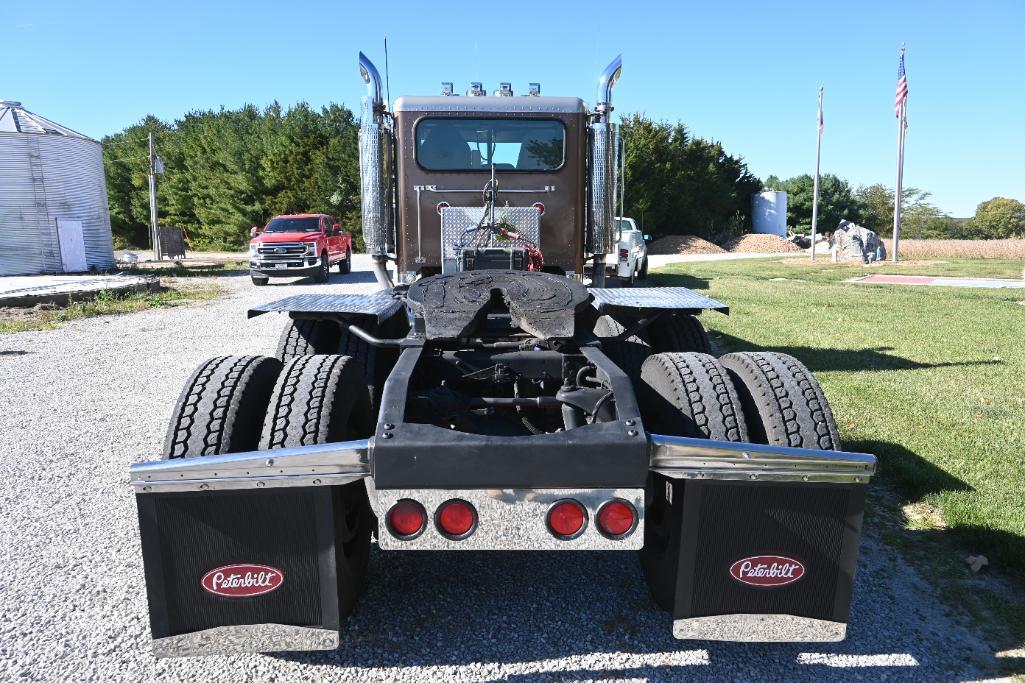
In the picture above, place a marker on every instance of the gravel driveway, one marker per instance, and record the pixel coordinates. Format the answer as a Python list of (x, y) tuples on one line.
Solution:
[(81, 403)]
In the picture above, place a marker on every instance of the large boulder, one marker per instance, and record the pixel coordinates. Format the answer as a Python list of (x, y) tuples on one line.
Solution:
[(853, 241)]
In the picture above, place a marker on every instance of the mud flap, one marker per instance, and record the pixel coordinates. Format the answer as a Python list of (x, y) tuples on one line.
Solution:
[(755, 561), (240, 571)]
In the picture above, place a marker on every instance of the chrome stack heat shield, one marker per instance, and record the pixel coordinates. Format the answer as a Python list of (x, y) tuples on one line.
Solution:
[(603, 144), (375, 144), (604, 139)]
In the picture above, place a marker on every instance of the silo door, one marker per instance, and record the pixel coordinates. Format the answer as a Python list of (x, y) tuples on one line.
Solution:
[(69, 233)]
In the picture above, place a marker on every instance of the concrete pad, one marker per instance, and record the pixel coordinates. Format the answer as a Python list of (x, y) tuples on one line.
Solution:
[(987, 283), (31, 290), (658, 260)]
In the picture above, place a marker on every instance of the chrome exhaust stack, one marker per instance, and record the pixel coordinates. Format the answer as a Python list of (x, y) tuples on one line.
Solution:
[(375, 159), (604, 144)]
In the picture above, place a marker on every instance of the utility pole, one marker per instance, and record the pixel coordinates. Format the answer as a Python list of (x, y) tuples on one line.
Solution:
[(154, 230)]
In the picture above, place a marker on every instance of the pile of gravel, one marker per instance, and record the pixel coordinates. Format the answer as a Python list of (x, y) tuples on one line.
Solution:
[(762, 244), (683, 244)]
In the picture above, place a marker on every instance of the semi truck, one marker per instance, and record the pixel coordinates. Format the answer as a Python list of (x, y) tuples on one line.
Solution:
[(487, 398)]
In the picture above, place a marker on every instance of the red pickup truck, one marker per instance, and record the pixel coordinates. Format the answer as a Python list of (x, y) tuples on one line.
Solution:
[(301, 245)]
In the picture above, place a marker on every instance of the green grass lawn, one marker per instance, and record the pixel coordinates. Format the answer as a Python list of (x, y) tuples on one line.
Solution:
[(105, 303), (929, 379)]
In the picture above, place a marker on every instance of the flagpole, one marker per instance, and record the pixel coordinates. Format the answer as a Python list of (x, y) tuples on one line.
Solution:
[(898, 192), (898, 197), (815, 196)]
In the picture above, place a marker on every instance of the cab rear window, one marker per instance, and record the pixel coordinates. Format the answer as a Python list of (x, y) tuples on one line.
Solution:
[(476, 144), (304, 224)]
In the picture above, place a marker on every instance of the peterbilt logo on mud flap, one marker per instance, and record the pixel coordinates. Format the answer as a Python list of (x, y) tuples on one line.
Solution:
[(767, 571), (242, 580)]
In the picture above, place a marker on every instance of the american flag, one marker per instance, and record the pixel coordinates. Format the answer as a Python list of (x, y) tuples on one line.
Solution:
[(902, 87)]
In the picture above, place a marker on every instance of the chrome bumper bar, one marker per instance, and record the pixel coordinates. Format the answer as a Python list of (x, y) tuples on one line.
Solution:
[(682, 458), (322, 464), (347, 461)]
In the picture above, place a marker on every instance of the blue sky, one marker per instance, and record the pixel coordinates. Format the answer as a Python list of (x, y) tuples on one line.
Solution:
[(743, 73)]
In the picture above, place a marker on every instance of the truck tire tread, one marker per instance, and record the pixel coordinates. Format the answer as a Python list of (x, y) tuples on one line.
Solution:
[(311, 405), (783, 402), (307, 337), (678, 332), (217, 409), (691, 394)]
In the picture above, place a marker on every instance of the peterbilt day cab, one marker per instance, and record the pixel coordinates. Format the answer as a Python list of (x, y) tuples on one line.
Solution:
[(299, 245), (486, 398)]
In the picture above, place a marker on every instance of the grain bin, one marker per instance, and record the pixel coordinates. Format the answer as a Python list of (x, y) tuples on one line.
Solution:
[(769, 212), (53, 198)]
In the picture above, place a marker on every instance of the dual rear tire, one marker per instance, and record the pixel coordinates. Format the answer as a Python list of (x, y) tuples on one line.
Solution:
[(234, 404), (758, 397), (307, 337), (768, 398)]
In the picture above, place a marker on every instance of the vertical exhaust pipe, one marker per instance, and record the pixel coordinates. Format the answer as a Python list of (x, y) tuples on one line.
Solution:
[(375, 155), (604, 140), (606, 82)]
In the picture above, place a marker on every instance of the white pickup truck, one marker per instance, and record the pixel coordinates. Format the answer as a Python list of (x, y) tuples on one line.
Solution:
[(632, 253)]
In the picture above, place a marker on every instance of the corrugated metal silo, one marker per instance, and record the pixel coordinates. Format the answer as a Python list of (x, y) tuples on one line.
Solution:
[(53, 197)]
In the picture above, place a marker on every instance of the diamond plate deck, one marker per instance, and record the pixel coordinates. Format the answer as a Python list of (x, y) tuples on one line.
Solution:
[(456, 220), (380, 305), (661, 298)]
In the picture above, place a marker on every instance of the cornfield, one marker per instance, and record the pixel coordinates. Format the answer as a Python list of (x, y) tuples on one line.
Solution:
[(926, 249)]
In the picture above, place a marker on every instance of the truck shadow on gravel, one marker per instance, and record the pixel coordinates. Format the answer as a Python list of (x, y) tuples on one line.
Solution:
[(360, 277), (530, 616)]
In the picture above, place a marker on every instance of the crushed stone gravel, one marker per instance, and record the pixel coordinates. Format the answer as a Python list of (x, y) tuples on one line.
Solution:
[(762, 244), (683, 244), (79, 404)]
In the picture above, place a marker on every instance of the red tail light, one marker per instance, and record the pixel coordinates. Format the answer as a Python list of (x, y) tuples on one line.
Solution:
[(456, 519), (617, 518), (440, 206), (407, 519), (567, 519), (540, 208), (624, 254)]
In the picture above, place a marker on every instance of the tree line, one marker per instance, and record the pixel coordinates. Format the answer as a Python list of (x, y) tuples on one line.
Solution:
[(228, 170), (872, 207)]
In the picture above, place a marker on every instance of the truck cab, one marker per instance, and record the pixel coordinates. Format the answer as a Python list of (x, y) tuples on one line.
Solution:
[(526, 152), (299, 245)]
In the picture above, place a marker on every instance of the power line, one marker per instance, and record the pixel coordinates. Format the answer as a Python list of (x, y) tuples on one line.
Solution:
[(125, 142), (126, 158)]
